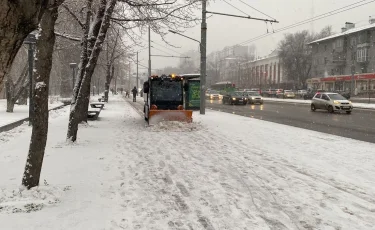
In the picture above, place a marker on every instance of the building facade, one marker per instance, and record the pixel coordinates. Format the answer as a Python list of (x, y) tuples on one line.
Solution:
[(345, 61), (220, 63), (265, 72)]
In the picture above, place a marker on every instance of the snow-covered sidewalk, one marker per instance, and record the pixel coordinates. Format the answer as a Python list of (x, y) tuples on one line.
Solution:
[(355, 105), (20, 112), (212, 174)]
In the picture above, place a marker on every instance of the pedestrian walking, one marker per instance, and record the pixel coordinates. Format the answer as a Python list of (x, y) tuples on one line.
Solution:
[(134, 91)]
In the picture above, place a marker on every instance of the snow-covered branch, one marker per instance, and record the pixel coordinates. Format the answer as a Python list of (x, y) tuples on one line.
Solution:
[(70, 37)]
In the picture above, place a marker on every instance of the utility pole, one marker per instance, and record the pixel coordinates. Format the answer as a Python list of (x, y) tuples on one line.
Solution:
[(352, 80), (137, 72), (149, 51), (129, 78), (203, 58)]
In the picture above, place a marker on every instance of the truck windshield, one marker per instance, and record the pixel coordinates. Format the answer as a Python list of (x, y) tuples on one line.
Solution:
[(166, 91)]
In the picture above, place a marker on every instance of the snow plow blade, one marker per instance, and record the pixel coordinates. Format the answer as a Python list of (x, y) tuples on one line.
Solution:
[(156, 116)]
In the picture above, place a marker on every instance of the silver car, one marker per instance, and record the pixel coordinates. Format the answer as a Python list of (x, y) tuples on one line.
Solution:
[(331, 102), (254, 97)]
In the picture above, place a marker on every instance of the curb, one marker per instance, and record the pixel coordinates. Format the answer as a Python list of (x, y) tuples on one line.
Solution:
[(135, 108), (20, 122)]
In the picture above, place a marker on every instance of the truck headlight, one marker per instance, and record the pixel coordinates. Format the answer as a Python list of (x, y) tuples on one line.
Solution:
[(233, 98)]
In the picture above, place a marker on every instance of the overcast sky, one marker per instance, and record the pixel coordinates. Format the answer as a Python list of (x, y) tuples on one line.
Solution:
[(227, 31)]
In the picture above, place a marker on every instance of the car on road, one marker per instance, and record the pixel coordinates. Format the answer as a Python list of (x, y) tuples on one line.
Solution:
[(301, 93), (331, 102), (289, 94), (213, 95), (235, 98), (310, 94), (253, 97)]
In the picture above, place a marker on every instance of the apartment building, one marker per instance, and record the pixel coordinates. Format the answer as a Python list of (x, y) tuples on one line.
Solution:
[(335, 58)]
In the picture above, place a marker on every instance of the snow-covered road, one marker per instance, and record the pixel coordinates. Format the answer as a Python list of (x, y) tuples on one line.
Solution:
[(222, 172)]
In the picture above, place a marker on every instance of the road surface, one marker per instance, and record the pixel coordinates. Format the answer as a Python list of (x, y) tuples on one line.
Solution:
[(359, 125)]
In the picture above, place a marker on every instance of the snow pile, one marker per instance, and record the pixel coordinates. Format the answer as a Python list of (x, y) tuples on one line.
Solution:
[(26, 201), (20, 111), (58, 112), (176, 126), (8, 135)]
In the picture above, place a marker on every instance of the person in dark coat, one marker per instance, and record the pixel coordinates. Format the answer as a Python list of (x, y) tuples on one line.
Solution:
[(134, 91)]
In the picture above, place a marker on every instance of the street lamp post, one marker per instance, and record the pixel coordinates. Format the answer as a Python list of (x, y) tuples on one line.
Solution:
[(73, 66), (30, 40), (203, 59)]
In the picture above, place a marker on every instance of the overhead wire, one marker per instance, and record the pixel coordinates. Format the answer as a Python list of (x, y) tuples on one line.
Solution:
[(236, 8), (161, 50), (257, 10), (330, 13)]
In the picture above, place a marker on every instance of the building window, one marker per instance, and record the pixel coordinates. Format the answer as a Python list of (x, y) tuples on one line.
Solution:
[(339, 43), (353, 41), (325, 47), (362, 55), (325, 60)]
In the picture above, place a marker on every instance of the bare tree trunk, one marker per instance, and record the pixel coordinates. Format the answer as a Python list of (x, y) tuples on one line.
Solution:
[(80, 108), (43, 65), (17, 20), (84, 55), (9, 90), (107, 82), (14, 91), (93, 36), (22, 100)]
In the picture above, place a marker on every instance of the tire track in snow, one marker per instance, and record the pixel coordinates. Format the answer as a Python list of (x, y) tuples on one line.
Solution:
[(272, 223), (151, 156), (282, 167)]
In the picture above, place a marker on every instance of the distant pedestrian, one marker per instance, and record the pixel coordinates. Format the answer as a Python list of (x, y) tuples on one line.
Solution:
[(134, 91)]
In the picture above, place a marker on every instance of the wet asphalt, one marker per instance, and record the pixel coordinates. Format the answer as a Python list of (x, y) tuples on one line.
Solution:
[(359, 125)]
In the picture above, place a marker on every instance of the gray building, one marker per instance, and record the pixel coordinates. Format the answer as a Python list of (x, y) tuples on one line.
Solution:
[(350, 51)]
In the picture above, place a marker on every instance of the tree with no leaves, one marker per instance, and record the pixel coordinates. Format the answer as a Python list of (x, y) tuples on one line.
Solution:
[(17, 20), (14, 90), (296, 55), (129, 14), (43, 64)]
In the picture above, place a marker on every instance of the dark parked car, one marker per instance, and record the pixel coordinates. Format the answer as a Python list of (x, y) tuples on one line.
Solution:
[(310, 94), (344, 94), (235, 98)]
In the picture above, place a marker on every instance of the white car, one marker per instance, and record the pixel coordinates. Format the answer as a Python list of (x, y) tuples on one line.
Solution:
[(214, 95), (331, 102)]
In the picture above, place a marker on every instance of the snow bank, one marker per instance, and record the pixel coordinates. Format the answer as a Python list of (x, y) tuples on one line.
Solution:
[(8, 135), (22, 200), (20, 111), (176, 126)]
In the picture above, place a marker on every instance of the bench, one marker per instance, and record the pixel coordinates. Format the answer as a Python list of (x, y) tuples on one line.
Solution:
[(102, 99), (99, 105), (93, 113)]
